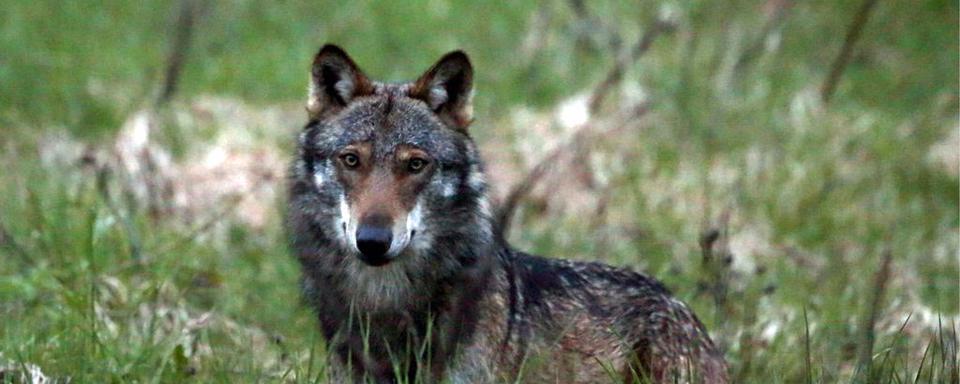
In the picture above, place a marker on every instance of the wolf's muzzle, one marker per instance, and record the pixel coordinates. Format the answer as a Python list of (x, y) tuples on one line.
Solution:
[(373, 243)]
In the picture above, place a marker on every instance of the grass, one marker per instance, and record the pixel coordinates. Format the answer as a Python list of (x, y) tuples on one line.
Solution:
[(810, 197)]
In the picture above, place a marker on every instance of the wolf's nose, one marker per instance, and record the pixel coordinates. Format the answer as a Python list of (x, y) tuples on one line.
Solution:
[(373, 243)]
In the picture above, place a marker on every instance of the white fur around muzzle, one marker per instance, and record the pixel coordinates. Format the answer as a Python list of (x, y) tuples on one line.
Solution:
[(401, 233)]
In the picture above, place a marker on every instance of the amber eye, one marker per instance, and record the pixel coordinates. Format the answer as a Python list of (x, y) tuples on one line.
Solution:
[(416, 165), (350, 160)]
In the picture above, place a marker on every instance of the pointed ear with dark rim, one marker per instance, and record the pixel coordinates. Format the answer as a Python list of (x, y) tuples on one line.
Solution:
[(447, 88), (334, 80)]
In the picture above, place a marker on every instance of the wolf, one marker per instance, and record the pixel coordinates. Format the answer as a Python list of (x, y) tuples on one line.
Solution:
[(389, 216)]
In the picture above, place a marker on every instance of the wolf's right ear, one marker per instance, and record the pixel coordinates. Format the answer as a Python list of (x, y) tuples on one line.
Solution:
[(334, 80)]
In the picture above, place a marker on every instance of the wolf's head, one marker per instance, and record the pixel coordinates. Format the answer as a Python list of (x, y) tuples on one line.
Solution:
[(387, 190)]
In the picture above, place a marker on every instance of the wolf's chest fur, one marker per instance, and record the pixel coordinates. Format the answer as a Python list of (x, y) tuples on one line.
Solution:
[(389, 216)]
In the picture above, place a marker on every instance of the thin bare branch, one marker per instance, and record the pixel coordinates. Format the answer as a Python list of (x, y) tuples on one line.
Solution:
[(843, 58), (591, 30), (716, 258), (8, 242), (185, 25), (580, 139), (577, 141), (616, 72), (867, 333), (780, 9)]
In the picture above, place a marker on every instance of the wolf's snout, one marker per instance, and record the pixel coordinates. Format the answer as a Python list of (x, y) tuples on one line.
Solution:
[(373, 243)]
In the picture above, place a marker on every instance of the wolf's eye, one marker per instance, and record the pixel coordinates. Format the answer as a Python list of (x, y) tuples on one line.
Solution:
[(350, 160), (416, 165)]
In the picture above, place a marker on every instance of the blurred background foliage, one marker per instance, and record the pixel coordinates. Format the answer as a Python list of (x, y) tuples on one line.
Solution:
[(766, 208)]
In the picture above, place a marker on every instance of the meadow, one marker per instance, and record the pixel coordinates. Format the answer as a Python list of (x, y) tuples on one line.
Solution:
[(811, 219)]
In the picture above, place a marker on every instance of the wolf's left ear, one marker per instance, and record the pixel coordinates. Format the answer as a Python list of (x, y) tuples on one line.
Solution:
[(334, 80), (447, 88)]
